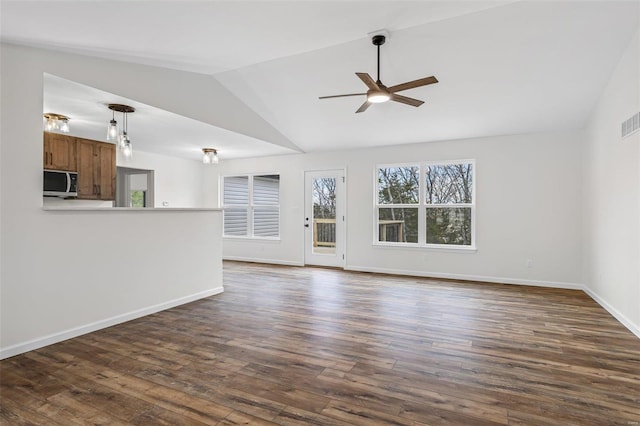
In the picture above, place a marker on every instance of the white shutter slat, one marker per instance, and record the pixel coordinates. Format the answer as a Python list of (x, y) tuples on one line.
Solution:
[(266, 222), (266, 190), (236, 190), (235, 222)]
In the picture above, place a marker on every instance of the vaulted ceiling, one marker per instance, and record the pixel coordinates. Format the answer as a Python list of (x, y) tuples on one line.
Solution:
[(503, 67)]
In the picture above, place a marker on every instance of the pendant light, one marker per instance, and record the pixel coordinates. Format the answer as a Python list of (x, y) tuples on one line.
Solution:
[(123, 136), (56, 122), (124, 143), (112, 130), (209, 156)]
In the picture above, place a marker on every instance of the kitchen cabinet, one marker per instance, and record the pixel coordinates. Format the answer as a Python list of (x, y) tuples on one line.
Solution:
[(59, 152), (96, 170)]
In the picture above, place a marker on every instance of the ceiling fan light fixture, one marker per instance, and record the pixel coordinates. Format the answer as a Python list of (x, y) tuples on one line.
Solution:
[(378, 97)]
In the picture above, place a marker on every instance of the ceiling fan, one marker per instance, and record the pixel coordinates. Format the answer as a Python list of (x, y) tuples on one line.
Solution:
[(378, 92)]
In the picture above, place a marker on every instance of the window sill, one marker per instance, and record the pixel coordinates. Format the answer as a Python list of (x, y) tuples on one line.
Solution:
[(430, 247), (252, 239)]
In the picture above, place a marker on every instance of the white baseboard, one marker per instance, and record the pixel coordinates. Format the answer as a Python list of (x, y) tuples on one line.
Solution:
[(257, 260), (462, 277), (98, 325), (635, 329)]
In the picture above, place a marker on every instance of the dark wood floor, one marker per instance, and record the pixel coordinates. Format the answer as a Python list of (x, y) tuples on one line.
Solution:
[(286, 345)]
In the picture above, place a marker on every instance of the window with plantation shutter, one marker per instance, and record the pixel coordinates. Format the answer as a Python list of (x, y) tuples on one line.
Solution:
[(236, 205), (266, 201), (251, 206)]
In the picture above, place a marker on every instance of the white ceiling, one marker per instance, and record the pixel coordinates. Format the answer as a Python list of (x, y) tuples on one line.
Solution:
[(150, 129), (503, 67)]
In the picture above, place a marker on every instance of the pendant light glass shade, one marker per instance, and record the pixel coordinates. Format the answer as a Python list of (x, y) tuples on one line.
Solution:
[(210, 156), (122, 138), (127, 150), (112, 130)]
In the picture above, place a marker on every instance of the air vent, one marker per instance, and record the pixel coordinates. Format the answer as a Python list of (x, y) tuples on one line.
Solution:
[(631, 125)]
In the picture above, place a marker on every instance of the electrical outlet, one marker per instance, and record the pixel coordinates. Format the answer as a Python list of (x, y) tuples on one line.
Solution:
[(529, 263)]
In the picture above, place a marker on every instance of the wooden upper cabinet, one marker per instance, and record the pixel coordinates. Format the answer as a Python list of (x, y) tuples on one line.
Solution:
[(94, 161), (59, 152), (96, 170), (107, 180), (86, 171)]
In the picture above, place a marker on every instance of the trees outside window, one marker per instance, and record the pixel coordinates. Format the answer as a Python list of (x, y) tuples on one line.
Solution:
[(449, 203), (430, 204), (324, 198), (398, 201), (138, 198)]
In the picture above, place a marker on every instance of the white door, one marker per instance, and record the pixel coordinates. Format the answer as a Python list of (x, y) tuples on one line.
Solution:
[(324, 218)]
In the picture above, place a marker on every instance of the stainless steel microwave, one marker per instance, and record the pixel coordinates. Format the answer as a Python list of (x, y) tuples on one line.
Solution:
[(58, 183)]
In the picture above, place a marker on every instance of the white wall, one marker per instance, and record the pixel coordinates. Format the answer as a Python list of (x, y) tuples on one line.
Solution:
[(66, 273), (178, 182), (612, 195), (56, 202), (528, 207)]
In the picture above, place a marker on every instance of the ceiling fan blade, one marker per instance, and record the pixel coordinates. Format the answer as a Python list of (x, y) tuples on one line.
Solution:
[(366, 79), (406, 100), (364, 107), (341, 96), (412, 84)]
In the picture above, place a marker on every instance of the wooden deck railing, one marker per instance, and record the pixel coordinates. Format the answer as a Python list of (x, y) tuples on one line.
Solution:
[(324, 232), (391, 230)]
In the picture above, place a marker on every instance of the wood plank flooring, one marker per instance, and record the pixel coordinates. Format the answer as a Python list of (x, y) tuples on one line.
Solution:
[(300, 346)]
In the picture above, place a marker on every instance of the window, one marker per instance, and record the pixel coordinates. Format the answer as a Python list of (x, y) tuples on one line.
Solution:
[(251, 206), (138, 198), (429, 204), (399, 193)]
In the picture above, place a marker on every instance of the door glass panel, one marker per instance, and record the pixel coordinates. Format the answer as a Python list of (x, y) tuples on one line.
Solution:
[(324, 216)]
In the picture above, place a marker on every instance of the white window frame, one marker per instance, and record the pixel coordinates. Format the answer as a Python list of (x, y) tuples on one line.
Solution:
[(250, 207), (422, 207)]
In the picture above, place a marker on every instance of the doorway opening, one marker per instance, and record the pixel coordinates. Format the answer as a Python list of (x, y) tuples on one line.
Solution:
[(134, 187)]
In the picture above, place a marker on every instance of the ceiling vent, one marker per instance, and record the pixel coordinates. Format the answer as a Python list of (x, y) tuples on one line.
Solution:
[(631, 126)]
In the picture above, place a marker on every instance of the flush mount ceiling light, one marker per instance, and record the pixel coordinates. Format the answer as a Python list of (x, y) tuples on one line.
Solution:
[(209, 156), (56, 122), (124, 143)]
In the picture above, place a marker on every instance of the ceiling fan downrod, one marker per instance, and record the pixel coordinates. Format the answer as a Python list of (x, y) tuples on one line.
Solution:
[(378, 40)]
